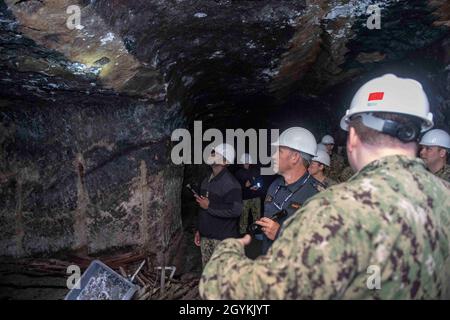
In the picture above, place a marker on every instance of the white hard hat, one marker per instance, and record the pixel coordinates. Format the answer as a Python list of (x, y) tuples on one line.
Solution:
[(436, 137), (322, 147), (328, 139), (226, 151), (298, 139), (246, 159), (391, 94), (322, 157)]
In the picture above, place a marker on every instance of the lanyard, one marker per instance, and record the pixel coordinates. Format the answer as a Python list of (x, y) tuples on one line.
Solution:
[(280, 206)]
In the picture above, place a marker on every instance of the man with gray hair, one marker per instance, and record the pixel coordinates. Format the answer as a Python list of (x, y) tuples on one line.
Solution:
[(295, 149)]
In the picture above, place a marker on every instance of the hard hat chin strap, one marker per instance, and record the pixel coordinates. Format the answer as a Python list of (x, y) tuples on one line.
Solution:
[(403, 132)]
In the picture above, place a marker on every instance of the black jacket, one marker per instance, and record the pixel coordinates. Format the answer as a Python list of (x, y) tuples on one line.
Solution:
[(221, 219), (289, 197), (252, 174)]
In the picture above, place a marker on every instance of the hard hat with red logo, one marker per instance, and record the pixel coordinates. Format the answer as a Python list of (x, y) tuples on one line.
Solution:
[(391, 94)]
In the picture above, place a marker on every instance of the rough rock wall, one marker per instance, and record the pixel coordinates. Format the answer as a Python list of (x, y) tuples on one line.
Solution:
[(86, 112), (86, 177), (83, 162)]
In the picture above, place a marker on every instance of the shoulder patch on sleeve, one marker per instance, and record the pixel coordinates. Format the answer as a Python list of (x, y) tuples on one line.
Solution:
[(296, 205)]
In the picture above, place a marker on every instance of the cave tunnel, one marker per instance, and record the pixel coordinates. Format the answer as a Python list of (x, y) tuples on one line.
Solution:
[(91, 91)]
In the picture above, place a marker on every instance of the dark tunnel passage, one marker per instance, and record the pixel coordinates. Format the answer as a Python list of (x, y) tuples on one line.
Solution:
[(87, 110)]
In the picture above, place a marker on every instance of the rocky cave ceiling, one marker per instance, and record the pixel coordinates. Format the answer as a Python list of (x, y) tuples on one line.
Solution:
[(86, 113), (212, 60)]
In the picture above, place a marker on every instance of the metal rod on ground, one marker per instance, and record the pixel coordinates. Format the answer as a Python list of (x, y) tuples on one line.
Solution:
[(163, 279), (173, 268), (137, 271), (163, 253)]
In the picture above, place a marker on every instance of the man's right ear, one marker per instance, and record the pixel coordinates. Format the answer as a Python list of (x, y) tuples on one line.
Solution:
[(352, 139)]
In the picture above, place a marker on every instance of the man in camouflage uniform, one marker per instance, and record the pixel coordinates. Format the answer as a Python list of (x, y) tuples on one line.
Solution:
[(389, 222), (435, 148), (337, 161)]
